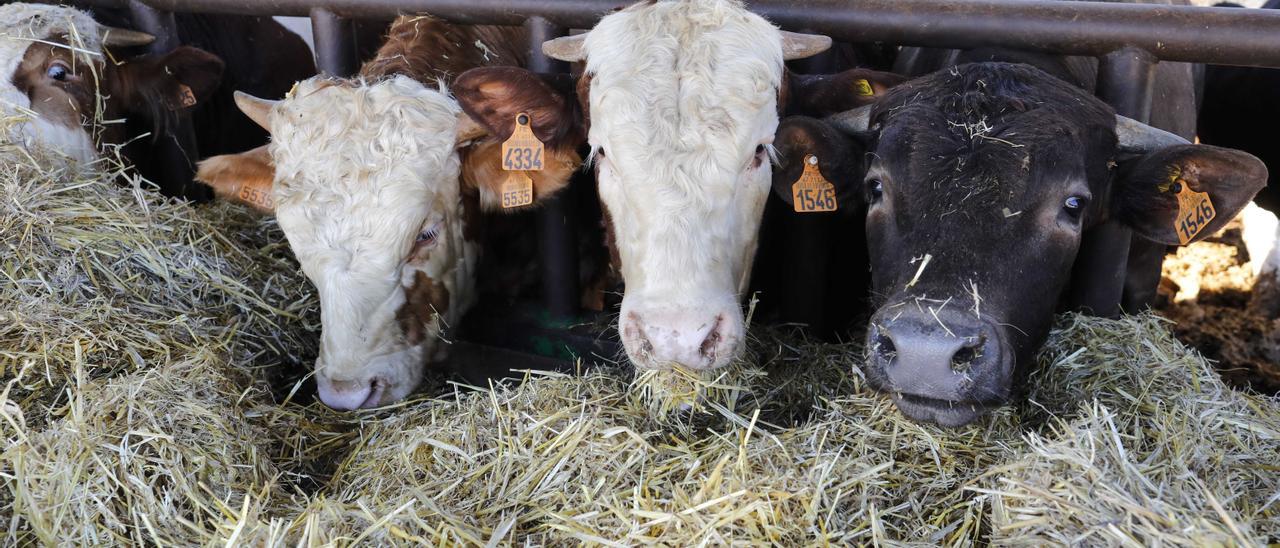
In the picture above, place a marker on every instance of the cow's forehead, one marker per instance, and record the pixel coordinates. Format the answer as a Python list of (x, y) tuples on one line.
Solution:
[(360, 167), (674, 75)]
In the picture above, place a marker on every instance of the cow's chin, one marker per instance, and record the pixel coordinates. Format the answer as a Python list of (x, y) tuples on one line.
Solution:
[(943, 413)]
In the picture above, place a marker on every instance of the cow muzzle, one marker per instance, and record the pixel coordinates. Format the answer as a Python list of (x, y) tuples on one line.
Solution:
[(693, 338), (383, 380), (948, 367)]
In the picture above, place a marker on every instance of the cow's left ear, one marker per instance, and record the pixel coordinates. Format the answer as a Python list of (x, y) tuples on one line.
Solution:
[(826, 94), (494, 96), (1215, 184), (179, 79), (838, 158)]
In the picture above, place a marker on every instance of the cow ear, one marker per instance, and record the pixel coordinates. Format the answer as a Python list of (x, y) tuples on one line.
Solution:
[(826, 94), (179, 79), (494, 96), (840, 159), (1146, 195), (246, 178)]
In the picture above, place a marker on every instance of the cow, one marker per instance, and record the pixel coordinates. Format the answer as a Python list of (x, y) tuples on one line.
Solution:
[(982, 178), (380, 183), (62, 81), (681, 102), (261, 58)]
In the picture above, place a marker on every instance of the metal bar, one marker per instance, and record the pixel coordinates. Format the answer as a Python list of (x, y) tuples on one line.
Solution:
[(557, 241), (176, 151), (1173, 33), (1126, 79), (335, 43)]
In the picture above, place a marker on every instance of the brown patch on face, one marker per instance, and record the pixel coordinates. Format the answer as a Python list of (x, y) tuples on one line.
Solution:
[(583, 90), (68, 102), (482, 171), (423, 300), (605, 278)]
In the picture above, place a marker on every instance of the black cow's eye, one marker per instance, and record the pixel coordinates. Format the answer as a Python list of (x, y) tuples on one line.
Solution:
[(759, 150), (1074, 205), (428, 236), (876, 188), (58, 71)]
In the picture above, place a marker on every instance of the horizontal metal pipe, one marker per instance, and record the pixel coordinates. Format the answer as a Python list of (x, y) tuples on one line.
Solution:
[(1173, 33)]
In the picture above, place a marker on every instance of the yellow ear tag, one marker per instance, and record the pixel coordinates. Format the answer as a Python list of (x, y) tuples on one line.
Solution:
[(517, 190), (1195, 211), (862, 87), (813, 193), (523, 151), (256, 196), (186, 97)]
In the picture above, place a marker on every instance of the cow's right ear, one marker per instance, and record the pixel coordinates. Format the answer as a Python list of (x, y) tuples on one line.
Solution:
[(179, 79), (839, 158), (826, 94), (246, 178), (494, 96)]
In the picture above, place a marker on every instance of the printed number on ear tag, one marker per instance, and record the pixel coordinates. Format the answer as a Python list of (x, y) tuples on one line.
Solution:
[(186, 98), (863, 87), (813, 193), (517, 190), (1195, 211), (523, 151), (256, 196)]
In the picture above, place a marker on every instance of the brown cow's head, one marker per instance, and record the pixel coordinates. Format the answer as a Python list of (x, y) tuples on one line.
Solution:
[(61, 79), (981, 181), (371, 184)]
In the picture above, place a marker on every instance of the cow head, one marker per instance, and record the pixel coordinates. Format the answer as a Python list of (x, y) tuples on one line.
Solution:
[(981, 181), (369, 186), (682, 102), (59, 82)]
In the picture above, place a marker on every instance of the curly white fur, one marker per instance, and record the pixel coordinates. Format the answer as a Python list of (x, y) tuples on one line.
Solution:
[(22, 25), (360, 170), (682, 94)]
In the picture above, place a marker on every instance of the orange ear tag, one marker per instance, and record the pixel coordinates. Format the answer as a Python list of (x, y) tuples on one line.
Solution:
[(813, 193), (523, 151), (1195, 211), (185, 98), (862, 87), (517, 190), (256, 196)]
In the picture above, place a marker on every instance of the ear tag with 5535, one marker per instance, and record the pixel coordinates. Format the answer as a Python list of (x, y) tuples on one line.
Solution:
[(522, 151), (813, 193), (517, 190)]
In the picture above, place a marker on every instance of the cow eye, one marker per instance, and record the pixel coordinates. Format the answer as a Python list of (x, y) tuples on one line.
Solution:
[(758, 159), (58, 71), (428, 236), (1074, 205), (876, 188)]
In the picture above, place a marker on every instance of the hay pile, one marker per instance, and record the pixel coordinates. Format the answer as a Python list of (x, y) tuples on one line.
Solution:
[(140, 336)]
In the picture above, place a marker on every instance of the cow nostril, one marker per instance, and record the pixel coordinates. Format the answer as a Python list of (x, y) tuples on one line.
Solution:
[(964, 358), (883, 347), (708, 347)]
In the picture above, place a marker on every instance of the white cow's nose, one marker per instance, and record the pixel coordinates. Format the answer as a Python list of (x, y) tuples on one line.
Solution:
[(348, 395), (694, 340)]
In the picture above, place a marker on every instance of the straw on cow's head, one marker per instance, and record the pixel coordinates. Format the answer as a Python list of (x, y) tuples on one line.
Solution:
[(682, 100), (368, 184), (58, 84)]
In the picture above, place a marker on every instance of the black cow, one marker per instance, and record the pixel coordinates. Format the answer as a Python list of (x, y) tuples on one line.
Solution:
[(261, 57), (1242, 110), (981, 181)]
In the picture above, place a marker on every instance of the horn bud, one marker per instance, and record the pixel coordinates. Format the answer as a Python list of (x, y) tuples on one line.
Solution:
[(124, 38), (799, 46), (258, 110), (851, 121), (1135, 136)]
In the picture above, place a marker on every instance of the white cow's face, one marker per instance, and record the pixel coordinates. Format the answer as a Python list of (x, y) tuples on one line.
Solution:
[(366, 190), (683, 104)]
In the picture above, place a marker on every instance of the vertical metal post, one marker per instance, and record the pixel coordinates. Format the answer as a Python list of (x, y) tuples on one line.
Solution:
[(557, 240), (1125, 81), (335, 43), (175, 152)]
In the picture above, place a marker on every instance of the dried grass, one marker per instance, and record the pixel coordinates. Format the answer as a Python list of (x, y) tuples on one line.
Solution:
[(139, 336)]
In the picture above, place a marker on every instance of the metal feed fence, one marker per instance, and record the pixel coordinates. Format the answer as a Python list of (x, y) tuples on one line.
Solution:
[(1128, 40)]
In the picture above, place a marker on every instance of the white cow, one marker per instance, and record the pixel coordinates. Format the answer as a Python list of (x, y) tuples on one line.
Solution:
[(682, 99)]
